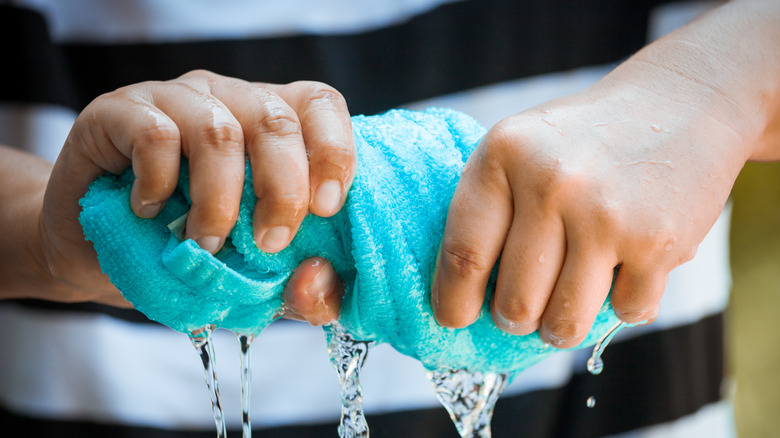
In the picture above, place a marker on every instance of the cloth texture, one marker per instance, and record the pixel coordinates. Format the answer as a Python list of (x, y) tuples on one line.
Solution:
[(383, 244)]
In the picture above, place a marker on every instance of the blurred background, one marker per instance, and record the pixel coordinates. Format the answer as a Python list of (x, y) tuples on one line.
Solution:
[(754, 341)]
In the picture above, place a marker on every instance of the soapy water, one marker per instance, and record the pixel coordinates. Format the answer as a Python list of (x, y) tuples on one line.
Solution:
[(348, 355), (595, 363), (201, 340), (469, 397)]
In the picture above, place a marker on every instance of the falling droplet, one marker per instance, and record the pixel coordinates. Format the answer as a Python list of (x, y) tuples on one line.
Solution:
[(469, 397), (591, 402), (245, 342), (347, 356), (595, 364), (201, 340)]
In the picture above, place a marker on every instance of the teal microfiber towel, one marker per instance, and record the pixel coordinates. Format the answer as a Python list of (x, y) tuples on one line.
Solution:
[(383, 243)]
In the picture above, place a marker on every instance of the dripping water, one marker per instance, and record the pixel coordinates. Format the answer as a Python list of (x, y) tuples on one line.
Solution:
[(348, 355), (201, 340), (469, 397), (591, 402), (245, 341), (595, 364)]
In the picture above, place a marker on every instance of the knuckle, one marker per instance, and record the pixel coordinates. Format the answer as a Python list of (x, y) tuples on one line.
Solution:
[(518, 311), (563, 331), (211, 218), (226, 137), (278, 122), (285, 202), (320, 94), (198, 73), (158, 133), (463, 262)]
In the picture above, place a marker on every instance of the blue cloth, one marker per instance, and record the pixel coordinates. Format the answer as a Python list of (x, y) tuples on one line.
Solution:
[(383, 244)]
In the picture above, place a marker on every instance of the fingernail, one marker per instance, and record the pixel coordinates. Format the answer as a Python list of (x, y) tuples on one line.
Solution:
[(209, 243), (275, 239), (322, 283), (150, 210), (328, 196), (512, 327)]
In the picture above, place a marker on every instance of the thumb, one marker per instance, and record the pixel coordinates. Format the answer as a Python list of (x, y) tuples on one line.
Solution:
[(314, 292)]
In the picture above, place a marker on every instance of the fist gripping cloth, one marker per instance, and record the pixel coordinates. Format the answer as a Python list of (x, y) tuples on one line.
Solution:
[(383, 244)]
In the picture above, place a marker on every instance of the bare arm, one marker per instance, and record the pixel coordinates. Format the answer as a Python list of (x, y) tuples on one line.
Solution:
[(298, 137), (632, 172)]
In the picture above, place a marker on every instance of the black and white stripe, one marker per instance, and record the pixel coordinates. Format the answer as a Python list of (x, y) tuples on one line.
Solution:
[(670, 373)]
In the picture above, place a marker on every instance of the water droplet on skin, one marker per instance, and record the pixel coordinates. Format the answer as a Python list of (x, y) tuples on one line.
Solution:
[(668, 247), (560, 132), (542, 258), (549, 122), (591, 402), (656, 128), (545, 111), (469, 397), (600, 124)]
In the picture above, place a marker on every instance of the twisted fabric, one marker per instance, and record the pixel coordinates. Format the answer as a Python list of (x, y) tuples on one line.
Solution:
[(383, 244)]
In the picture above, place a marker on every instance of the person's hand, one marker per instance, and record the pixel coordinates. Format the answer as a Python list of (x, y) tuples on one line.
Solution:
[(565, 192), (298, 138), (631, 173)]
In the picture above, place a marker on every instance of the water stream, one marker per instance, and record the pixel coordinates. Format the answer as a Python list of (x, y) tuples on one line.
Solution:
[(595, 364), (245, 342), (469, 397), (201, 340), (348, 355)]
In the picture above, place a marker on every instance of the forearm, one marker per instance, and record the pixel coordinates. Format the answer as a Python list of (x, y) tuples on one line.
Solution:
[(726, 63), (23, 272)]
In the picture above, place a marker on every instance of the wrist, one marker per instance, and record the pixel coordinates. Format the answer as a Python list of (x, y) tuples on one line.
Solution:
[(721, 68)]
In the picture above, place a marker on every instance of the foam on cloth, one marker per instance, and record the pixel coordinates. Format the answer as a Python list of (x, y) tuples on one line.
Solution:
[(383, 244)]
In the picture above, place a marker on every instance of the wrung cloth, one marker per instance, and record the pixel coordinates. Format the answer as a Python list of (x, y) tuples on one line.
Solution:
[(383, 244)]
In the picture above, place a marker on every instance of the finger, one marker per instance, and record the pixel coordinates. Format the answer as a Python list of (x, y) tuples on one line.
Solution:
[(530, 264), (280, 168), (477, 223), (581, 289), (636, 294), (213, 141), (327, 134), (314, 292), (156, 156), (124, 126)]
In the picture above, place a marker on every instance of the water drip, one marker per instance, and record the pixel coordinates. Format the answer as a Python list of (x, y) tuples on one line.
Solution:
[(595, 364), (348, 355), (201, 340), (469, 397)]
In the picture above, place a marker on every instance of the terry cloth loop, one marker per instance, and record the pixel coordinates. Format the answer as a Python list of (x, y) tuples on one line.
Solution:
[(383, 244)]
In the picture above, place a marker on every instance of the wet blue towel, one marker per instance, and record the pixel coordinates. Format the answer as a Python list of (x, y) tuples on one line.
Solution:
[(383, 243)]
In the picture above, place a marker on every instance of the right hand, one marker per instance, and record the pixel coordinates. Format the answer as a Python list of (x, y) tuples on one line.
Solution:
[(298, 138)]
